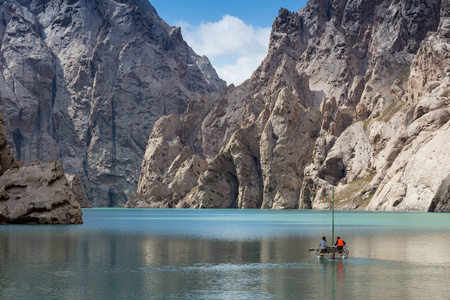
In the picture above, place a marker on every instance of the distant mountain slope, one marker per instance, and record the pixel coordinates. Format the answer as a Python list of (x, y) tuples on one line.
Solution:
[(352, 92), (84, 81)]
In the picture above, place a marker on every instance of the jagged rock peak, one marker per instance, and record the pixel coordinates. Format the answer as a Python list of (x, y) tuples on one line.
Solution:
[(351, 92), (84, 81)]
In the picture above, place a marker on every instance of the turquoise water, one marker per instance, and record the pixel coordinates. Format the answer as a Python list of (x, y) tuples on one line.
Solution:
[(226, 254)]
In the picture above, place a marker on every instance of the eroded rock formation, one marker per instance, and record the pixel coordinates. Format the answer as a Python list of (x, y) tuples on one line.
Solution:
[(38, 193), (84, 81), (35, 193), (352, 93)]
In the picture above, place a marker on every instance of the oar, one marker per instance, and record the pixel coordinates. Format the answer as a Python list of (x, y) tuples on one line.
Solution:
[(312, 249)]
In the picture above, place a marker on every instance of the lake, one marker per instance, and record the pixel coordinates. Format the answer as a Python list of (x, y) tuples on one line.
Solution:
[(226, 254)]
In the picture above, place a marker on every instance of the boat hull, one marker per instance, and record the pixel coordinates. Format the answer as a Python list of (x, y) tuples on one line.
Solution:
[(333, 253)]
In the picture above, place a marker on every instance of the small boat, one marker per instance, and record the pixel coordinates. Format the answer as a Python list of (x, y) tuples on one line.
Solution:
[(333, 252)]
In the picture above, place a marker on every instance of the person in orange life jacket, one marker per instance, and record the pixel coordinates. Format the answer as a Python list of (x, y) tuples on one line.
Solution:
[(339, 244)]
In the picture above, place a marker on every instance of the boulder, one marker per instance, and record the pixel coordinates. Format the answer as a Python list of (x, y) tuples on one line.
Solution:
[(38, 193)]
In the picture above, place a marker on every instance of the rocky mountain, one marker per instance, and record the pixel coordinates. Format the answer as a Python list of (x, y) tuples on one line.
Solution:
[(84, 81), (35, 193), (352, 93)]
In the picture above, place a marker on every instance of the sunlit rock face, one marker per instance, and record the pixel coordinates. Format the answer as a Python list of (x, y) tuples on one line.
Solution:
[(418, 177), (84, 81), (352, 93), (76, 186)]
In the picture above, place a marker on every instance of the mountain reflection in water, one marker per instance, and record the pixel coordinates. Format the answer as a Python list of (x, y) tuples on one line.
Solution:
[(226, 254)]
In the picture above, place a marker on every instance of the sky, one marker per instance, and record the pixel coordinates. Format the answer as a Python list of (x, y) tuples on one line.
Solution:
[(233, 34)]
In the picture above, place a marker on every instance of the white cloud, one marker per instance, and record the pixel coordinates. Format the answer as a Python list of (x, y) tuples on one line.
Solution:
[(234, 48), (241, 70)]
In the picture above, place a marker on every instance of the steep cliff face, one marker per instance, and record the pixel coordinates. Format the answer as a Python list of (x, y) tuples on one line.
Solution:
[(352, 93), (84, 81), (417, 179)]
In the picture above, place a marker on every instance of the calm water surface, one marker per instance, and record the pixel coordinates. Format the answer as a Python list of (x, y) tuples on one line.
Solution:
[(226, 254)]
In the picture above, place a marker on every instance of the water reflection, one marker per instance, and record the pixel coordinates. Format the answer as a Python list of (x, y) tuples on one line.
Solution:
[(422, 247), (129, 259), (217, 265)]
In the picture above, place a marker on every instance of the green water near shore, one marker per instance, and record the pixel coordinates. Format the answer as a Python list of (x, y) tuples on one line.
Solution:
[(226, 254)]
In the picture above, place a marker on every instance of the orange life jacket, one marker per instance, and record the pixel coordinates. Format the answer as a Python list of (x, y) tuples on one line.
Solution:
[(340, 243)]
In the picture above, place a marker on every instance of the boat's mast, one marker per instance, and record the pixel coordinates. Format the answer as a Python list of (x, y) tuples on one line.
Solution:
[(332, 218)]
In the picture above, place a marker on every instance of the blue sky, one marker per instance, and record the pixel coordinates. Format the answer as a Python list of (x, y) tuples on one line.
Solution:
[(233, 34)]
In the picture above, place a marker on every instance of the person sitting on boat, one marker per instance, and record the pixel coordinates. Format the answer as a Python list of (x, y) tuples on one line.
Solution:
[(340, 243), (323, 245)]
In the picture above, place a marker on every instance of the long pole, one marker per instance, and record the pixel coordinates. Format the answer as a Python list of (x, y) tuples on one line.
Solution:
[(332, 221)]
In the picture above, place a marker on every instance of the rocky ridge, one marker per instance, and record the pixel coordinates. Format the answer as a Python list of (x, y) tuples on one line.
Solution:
[(352, 93), (84, 81)]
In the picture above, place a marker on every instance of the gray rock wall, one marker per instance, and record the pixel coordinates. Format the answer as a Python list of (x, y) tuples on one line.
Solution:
[(7, 159), (84, 81)]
